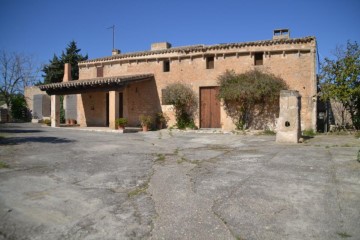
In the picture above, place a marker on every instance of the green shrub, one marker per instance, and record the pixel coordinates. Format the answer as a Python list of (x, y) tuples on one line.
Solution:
[(62, 110), (145, 120), (19, 110), (162, 118), (250, 97), (185, 103), (121, 122)]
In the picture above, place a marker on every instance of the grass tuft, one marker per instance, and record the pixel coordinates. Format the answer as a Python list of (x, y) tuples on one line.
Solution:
[(269, 132), (344, 235), (309, 133), (4, 165), (139, 190), (160, 157)]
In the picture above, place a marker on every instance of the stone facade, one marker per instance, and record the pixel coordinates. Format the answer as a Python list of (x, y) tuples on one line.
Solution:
[(29, 94), (288, 124), (128, 85), (294, 60)]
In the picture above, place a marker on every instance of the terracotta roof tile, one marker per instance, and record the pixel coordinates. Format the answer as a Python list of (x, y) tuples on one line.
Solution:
[(95, 82), (203, 48)]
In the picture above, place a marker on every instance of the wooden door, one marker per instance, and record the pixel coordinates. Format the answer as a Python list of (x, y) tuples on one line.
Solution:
[(209, 107)]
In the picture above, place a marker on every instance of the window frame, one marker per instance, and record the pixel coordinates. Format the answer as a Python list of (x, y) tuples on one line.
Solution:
[(100, 71), (259, 58), (210, 62), (166, 65)]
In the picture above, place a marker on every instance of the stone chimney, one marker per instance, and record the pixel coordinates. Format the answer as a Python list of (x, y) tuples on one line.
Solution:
[(115, 52), (160, 46), (281, 34), (67, 72)]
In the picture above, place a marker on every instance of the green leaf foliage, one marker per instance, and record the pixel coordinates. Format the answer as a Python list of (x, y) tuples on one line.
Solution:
[(185, 103), (54, 70), (340, 80), (19, 110), (250, 98)]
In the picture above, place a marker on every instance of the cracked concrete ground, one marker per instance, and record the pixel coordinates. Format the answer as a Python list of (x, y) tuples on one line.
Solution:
[(69, 184)]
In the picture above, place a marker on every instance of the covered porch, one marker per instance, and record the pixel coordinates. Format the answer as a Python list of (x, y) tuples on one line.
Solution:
[(98, 102)]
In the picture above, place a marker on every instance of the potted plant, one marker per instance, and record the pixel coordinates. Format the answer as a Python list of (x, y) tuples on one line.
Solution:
[(72, 121), (161, 119), (145, 121), (121, 123)]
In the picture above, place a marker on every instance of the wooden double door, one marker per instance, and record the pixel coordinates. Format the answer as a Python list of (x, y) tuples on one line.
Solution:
[(209, 107)]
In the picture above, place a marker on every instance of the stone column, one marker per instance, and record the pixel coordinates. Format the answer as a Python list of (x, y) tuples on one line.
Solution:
[(55, 111), (288, 125), (113, 108)]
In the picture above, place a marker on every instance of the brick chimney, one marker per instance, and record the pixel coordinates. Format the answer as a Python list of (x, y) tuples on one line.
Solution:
[(115, 52), (281, 34), (67, 72), (160, 46)]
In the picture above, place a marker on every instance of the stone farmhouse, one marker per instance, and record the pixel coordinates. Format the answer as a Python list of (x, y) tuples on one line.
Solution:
[(130, 84)]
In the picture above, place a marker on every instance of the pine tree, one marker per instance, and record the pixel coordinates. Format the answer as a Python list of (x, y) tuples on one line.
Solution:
[(73, 56), (54, 71)]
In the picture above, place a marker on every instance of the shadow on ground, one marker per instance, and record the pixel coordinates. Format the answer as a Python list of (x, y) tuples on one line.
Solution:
[(21, 140), (19, 131)]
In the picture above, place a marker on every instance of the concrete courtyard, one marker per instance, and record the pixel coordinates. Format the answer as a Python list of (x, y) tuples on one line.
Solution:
[(69, 184)]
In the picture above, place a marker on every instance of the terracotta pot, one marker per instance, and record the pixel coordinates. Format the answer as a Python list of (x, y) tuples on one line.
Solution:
[(67, 121), (121, 127), (145, 128)]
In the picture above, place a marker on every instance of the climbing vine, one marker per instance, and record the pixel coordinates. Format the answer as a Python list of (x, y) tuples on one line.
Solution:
[(250, 98)]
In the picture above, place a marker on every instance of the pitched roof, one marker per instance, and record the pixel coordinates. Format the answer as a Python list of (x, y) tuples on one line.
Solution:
[(103, 82), (203, 48)]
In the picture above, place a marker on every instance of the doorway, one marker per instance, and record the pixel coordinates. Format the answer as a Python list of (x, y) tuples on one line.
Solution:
[(209, 107), (107, 110), (121, 107)]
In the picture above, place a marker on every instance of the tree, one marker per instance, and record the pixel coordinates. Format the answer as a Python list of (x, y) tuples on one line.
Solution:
[(19, 108), (54, 71), (16, 72), (250, 98), (340, 79), (185, 103)]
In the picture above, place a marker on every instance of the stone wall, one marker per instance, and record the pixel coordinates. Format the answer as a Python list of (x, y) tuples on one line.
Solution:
[(141, 98), (91, 109), (29, 93), (295, 63)]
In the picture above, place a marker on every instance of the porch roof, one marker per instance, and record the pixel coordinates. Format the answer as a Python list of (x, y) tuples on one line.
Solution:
[(93, 84)]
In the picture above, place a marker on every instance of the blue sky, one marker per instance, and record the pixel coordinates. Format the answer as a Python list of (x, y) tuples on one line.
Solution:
[(44, 27)]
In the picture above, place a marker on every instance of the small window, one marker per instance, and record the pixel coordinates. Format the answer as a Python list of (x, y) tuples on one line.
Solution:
[(210, 63), (166, 66), (99, 72), (259, 58)]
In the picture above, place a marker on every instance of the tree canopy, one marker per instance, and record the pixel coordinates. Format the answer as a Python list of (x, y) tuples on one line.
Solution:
[(340, 79), (250, 97), (54, 71), (16, 72)]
